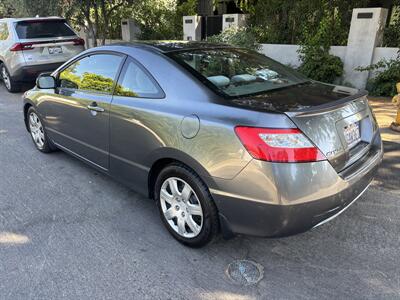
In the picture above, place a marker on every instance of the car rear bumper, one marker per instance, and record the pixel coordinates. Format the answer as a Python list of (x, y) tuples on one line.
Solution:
[(272, 200), (30, 73)]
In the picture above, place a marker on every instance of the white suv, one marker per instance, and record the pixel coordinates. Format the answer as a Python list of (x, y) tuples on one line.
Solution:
[(31, 46)]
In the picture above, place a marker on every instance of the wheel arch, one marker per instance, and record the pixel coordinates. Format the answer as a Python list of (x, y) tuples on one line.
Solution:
[(167, 156), (27, 104)]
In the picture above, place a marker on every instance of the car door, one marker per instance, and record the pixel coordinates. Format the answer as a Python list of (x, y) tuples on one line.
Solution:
[(134, 123), (78, 114)]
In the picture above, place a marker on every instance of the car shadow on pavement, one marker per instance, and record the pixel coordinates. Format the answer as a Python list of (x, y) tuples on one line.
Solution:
[(389, 171)]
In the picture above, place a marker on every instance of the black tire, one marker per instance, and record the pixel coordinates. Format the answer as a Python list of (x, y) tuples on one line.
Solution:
[(210, 228), (12, 86), (48, 146)]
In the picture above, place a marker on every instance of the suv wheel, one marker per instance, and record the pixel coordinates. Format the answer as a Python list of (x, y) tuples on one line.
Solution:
[(11, 85), (186, 206)]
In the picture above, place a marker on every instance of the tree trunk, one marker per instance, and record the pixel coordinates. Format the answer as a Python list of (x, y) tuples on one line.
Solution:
[(105, 20), (96, 21), (91, 30)]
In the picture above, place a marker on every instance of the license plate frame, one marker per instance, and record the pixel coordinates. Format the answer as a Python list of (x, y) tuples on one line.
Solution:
[(352, 134), (54, 50)]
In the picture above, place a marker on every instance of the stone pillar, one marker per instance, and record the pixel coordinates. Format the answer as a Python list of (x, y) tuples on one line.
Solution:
[(233, 20), (365, 34), (130, 31), (192, 28)]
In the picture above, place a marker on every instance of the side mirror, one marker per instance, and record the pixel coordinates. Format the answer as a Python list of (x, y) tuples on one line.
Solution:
[(46, 81)]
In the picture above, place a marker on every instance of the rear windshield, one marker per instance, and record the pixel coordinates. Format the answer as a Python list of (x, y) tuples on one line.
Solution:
[(43, 29), (238, 72)]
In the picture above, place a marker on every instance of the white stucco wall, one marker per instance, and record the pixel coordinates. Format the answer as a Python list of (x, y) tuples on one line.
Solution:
[(382, 52), (288, 55), (285, 54)]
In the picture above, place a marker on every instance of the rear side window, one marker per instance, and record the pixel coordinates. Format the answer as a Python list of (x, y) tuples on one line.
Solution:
[(34, 29), (3, 31), (238, 72), (92, 73), (135, 82)]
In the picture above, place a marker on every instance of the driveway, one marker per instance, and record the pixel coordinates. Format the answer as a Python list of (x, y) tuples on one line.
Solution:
[(68, 232)]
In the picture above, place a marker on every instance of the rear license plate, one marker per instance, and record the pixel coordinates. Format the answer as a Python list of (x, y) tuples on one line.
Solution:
[(55, 50), (352, 133)]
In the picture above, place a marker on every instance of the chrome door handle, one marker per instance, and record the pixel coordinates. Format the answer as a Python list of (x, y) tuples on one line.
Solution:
[(95, 108)]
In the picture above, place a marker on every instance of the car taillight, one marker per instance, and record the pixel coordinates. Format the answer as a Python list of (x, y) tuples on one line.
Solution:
[(22, 47), (278, 145), (79, 42)]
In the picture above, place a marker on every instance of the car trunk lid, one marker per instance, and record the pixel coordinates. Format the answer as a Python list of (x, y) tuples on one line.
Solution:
[(336, 119), (343, 131), (40, 51)]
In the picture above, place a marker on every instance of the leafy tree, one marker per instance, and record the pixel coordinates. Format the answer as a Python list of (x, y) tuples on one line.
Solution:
[(317, 63), (94, 15), (285, 21), (7, 9), (391, 34), (242, 37), (160, 19)]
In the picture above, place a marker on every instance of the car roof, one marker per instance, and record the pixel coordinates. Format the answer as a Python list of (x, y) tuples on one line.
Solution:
[(171, 46), (31, 19)]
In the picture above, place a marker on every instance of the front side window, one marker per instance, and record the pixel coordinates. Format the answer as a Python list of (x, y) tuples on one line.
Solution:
[(47, 28), (134, 82), (92, 73), (3, 31), (238, 72)]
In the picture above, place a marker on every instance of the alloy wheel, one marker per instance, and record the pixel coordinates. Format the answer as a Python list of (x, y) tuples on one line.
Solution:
[(181, 207), (36, 129), (6, 77)]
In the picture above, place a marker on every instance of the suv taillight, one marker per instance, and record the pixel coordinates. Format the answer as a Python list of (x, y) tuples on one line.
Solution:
[(22, 47), (278, 145), (79, 42)]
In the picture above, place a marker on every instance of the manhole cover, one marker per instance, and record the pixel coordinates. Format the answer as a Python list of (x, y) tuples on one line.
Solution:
[(245, 272)]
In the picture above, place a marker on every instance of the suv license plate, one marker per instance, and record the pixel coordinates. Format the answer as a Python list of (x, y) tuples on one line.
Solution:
[(352, 133), (55, 50)]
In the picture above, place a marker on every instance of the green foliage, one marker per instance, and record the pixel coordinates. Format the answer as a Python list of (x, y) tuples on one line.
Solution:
[(242, 37), (7, 9), (391, 33), (317, 63), (158, 19), (290, 22), (154, 19), (320, 65), (386, 75), (94, 82)]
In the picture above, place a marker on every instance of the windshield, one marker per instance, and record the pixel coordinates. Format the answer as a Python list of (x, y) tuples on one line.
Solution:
[(33, 29), (238, 72)]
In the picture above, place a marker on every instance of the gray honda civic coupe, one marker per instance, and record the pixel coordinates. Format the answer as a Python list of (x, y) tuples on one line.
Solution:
[(223, 138)]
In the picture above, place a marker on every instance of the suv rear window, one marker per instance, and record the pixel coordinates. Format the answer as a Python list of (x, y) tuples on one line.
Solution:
[(34, 29), (237, 72)]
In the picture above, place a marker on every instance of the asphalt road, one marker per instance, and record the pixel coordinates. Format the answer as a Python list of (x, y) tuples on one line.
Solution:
[(68, 232)]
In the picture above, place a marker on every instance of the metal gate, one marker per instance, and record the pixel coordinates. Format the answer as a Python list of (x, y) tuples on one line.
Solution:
[(212, 26)]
